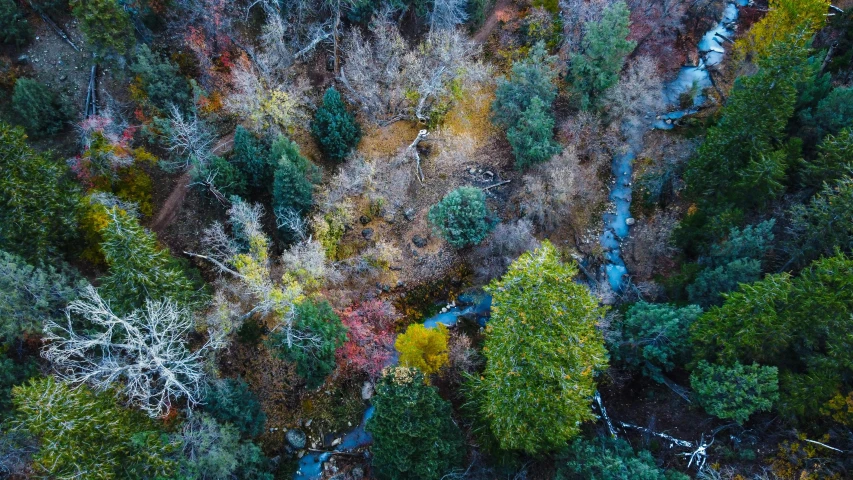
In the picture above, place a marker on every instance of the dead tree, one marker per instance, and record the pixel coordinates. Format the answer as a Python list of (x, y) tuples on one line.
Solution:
[(413, 152), (91, 107)]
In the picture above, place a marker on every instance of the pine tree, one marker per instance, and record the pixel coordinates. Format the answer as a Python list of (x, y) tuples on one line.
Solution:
[(106, 25), (38, 107), (252, 158), (294, 179), (532, 77), (735, 392), (462, 217), (14, 28), (532, 138), (335, 129)]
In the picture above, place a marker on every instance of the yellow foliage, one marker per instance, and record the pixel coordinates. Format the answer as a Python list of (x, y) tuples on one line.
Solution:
[(802, 460), (423, 348), (135, 185), (840, 408), (786, 17), (279, 108), (93, 219)]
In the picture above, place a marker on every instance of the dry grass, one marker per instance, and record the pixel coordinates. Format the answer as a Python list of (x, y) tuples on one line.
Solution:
[(383, 142)]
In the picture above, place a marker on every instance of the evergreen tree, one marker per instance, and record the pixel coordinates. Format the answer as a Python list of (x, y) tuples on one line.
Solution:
[(824, 224), (735, 392), (230, 401), (13, 373), (14, 29), (83, 431), (139, 269), (833, 160), (38, 108), (319, 334), (461, 217), (542, 352), (37, 202), (335, 129), (711, 283), (106, 25), (252, 158), (605, 45), (532, 77), (227, 178), (214, 451), (414, 436), (532, 138), (294, 179), (160, 80), (610, 459)]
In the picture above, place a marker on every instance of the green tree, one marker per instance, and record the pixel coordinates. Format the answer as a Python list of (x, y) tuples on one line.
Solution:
[(13, 373), (711, 283), (824, 224), (532, 77), (160, 80), (230, 401), (295, 176), (462, 217), (105, 24), (602, 54), (335, 129), (831, 115), (31, 295), (542, 352), (84, 431), (38, 108), (414, 436), (139, 269), (735, 392), (252, 158), (532, 138), (833, 160), (214, 451), (655, 337), (38, 203), (319, 334), (227, 178), (610, 459), (14, 28), (750, 242)]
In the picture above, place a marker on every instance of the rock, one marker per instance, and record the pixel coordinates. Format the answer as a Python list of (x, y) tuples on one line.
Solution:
[(300, 454), (367, 233), (296, 438), (336, 442), (367, 390), (472, 170), (23, 59), (357, 473), (419, 241), (409, 214), (630, 221), (308, 423), (63, 78), (489, 174), (364, 219)]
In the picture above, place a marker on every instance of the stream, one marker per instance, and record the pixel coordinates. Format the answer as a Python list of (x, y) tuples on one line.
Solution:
[(474, 307), (691, 80)]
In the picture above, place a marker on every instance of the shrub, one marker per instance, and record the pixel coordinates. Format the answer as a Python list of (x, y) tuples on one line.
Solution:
[(160, 80), (334, 127), (227, 178), (38, 107), (321, 333), (735, 392), (532, 137), (215, 451), (105, 24), (610, 459), (461, 217), (423, 348), (13, 373), (230, 401), (414, 436), (370, 341), (53, 7), (14, 28)]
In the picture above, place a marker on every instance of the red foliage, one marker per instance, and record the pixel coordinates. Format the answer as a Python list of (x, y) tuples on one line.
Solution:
[(370, 339)]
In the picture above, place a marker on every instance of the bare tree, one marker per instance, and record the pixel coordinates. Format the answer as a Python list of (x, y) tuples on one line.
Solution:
[(507, 242), (189, 140), (638, 92), (289, 219), (447, 14), (145, 351)]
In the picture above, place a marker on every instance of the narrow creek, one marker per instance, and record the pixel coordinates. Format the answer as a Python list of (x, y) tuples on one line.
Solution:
[(473, 307), (691, 80)]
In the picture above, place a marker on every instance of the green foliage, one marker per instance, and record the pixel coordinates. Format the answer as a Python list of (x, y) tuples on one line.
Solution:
[(738, 163), (750, 242), (139, 269), (105, 24), (712, 282), (14, 28), (825, 223), (605, 45), (229, 180), (461, 217), (314, 356), (52, 7), (477, 11), (252, 159), (542, 352), (797, 324), (37, 202), (230, 401), (735, 392), (532, 77), (83, 431), (214, 451), (655, 337), (610, 459), (532, 138), (334, 127), (295, 176), (160, 80), (38, 108), (31, 295), (831, 115), (833, 160), (13, 373), (414, 436)]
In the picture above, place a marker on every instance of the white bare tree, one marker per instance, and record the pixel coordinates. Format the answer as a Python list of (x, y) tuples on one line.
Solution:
[(638, 92), (145, 352), (447, 14), (189, 140)]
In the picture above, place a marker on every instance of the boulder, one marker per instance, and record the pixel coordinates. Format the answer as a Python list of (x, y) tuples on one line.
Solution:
[(409, 214), (630, 221), (419, 241), (367, 233), (296, 438)]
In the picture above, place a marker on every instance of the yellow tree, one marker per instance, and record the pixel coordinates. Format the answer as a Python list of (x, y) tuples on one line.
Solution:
[(785, 18), (423, 348)]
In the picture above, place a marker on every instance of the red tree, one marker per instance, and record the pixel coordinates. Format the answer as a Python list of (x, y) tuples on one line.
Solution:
[(370, 339)]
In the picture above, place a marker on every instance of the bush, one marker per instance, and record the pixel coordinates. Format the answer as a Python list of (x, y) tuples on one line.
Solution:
[(226, 176), (38, 107), (735, 392), (230, 401), (13, 373), (423, 348), (215, 451), (532, 138), (414, 436), (160, 80), (334, 127), (105, 24), (315, 357), (52, 7), (461, 217), (610, 459), (14, 28)]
